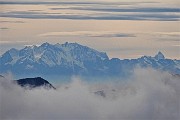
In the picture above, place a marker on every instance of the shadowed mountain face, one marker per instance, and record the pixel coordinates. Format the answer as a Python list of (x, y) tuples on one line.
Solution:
[(1, 76), (74, 59), (34, 83)]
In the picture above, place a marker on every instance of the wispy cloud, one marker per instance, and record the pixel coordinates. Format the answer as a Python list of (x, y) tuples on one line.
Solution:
[(5, 21), (11, 42), (4, 28), (40, 2), (95, 16), (165, 36), (87, 34), (151, 9), (91, 10), (176, 45), (75, 2)]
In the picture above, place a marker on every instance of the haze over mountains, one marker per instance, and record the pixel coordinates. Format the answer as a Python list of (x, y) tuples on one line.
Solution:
[(140, 97), (74, 59)]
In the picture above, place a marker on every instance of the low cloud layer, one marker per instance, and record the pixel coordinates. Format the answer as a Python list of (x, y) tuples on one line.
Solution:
[(148, 95)]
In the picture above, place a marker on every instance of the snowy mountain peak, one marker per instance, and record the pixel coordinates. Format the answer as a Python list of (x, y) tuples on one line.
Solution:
[(67, 54), (73, 58), (159, 56)]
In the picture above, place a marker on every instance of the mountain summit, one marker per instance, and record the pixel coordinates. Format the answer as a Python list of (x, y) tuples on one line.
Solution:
[(74, 59), (159, 56), (64, 59), (34, 83), (52, 55)]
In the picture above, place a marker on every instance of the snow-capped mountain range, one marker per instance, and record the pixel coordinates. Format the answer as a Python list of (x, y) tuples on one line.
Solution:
[(74, 59)]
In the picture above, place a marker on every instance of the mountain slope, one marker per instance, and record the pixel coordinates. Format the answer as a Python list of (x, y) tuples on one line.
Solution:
[(34, 83), (74, 59), (68, 58)]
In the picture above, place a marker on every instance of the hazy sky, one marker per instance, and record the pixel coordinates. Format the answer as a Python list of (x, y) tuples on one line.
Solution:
[(122, 28)]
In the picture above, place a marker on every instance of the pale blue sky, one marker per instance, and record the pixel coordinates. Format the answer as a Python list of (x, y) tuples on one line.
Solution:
[(122, 28)]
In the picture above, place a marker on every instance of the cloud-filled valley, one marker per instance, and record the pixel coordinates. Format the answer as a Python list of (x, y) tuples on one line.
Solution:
[(147, 95), (90, 60)]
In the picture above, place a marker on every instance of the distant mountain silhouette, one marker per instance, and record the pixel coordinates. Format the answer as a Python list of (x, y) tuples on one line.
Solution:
[(74, 59), (100, 93), (34, 83), (1, 76)]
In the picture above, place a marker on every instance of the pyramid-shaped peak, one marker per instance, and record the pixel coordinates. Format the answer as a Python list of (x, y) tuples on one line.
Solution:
[(159, 56)]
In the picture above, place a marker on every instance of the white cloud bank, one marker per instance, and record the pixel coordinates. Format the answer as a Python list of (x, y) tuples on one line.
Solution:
[(149, 95)]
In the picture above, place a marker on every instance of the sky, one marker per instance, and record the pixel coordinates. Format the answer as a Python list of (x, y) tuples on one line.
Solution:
[(121, 28)]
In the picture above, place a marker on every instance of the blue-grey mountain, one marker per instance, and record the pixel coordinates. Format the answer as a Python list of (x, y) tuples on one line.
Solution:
[(36, 82), (74, 59)]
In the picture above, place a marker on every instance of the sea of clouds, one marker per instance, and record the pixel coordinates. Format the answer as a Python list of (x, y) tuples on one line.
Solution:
[(147, 95)]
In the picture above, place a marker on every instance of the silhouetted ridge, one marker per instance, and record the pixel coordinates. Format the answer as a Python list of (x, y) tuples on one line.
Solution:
[(1, 76), (34, 82)]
